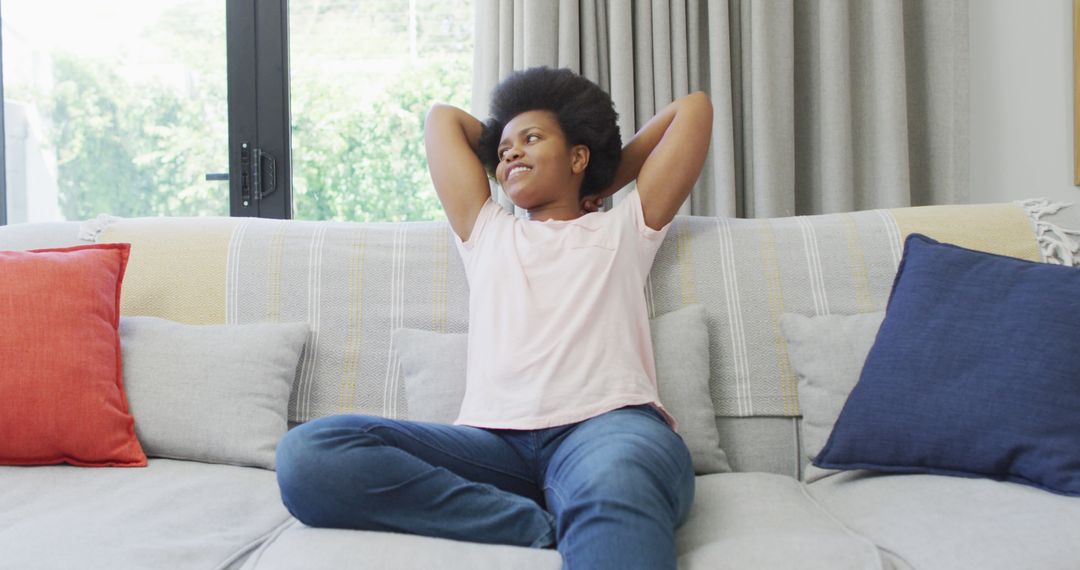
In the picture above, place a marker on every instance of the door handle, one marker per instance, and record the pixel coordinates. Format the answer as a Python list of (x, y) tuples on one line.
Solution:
[(258, 174)]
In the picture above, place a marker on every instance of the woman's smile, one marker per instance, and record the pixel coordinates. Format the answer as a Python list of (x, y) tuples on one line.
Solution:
[(517, 170)]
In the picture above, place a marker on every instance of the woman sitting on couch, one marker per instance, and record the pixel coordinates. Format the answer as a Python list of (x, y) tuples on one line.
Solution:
[(561, 440)]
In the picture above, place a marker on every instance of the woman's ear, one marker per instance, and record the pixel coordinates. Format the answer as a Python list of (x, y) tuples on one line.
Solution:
[(579, 158)]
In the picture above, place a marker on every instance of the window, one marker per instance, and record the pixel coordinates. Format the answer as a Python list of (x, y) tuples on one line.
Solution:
[(364, 73), (118, 106), (132, 108)]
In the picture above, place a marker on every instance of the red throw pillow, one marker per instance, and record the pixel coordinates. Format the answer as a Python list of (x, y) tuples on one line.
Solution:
[(61, 391)]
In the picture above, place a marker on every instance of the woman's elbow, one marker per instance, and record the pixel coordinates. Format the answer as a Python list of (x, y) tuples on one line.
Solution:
[(438, 114)]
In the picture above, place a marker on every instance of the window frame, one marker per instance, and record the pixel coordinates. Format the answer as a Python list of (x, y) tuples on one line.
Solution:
[(257, 61)]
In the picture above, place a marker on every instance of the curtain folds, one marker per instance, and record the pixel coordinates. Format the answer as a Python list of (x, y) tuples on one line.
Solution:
[(819, 106)]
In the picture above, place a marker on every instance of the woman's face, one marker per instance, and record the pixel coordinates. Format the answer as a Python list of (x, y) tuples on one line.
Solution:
[(536, 165)]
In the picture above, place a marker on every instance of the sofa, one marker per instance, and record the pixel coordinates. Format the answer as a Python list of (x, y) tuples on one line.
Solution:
[(354, 287)]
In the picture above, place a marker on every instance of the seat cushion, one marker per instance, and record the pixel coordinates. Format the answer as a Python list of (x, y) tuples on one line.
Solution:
[(934, 521), (170, 514), (764, 521), (301, 546), (738, 520)]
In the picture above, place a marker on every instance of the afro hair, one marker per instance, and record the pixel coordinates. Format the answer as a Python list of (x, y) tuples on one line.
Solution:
[(584, 111)]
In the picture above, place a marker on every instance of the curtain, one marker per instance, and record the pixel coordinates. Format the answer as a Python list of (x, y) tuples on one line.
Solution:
[(819, 106)]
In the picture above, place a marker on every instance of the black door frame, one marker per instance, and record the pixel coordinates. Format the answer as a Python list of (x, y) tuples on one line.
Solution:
[(260, 162)]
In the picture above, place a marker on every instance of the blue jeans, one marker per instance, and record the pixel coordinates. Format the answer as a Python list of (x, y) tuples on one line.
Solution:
[(608, 492)]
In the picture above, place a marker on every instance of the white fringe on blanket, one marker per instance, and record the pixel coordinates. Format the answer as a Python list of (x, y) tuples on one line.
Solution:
[(90, 229), (1057, 244)]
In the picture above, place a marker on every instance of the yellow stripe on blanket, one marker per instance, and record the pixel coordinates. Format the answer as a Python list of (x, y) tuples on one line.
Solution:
[(1004, 229), (177, 267)]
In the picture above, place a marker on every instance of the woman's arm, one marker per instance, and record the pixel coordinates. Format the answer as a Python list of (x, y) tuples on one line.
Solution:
[(451, 139), (665, 156)]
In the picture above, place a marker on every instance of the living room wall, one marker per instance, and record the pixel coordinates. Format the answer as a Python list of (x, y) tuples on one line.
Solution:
[(1021, 100)]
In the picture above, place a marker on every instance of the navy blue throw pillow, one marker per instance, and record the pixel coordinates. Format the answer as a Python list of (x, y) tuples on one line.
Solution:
[(975, 372)]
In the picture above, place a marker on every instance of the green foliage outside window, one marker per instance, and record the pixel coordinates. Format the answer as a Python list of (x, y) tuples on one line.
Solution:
[(143, 148), (127, 151), (368, 164)]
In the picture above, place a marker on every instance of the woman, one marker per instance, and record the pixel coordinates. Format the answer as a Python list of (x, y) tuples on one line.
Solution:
[(561, 440)]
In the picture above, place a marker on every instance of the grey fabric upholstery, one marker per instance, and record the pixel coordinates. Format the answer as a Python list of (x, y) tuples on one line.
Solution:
[(681, 348), (42, 235), (761, 520), (213, 393), (301, 546), (738, 521), (934, 522), (435, 367), (827, 353), (760, 444), (170, 514)]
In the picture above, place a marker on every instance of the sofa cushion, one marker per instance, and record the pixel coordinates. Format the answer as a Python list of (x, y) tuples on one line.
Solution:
[(827, 353), (214, 393), (61, 389), (172, 514), (762, 520), (738, 521), (973, 373), (763, 444), (434, 368), (680, 341), (931, 521), (301, 546)]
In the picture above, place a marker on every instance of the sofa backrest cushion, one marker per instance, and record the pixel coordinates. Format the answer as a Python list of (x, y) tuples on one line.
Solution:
[(210, 393)]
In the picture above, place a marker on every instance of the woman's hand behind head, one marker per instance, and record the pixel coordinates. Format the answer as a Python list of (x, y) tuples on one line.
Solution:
[(591, 203)]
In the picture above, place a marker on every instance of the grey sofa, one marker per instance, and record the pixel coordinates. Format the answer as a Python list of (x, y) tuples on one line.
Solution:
[(757, 512)]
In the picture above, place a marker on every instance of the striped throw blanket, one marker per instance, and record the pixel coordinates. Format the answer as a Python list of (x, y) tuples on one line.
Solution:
[(357, 282)]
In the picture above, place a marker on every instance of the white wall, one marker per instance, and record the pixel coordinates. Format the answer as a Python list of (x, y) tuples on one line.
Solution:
[(32, 192), (1021, 100)]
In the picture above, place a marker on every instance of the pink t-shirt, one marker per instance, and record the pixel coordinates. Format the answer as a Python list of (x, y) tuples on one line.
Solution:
[(558, 327)]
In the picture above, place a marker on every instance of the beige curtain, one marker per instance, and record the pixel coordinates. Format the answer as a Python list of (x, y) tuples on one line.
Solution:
[(819, 105)]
